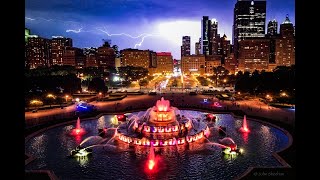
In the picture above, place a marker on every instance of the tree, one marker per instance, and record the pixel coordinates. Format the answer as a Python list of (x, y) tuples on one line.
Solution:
[(97, 85), (132, 73), (143, 82), (116, 50)]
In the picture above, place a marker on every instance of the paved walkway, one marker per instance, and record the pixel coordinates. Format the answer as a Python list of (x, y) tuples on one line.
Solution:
[(251, 107)]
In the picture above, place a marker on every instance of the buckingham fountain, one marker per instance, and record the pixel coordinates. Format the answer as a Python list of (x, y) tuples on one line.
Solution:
[(160, 126), (158, 143)]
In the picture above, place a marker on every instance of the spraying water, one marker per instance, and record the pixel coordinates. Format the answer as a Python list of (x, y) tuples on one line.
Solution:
[(78, 130), (89, 138), (244, 127)]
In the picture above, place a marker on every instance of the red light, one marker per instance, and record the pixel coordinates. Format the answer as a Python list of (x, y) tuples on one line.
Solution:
[(151, 164), (77, 131), (163, 53), (121, 116)]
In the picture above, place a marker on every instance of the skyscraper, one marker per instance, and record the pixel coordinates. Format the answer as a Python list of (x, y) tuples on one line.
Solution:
[(214, 28), (249, 21), (272, 34), (185, 48), (285, 44), (198, 47), (287, 28), (215, 37), (206, 45), (272, 28)]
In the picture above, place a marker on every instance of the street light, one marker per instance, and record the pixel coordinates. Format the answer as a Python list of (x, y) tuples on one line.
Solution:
[(50, 96), (67, 98), (284, 94)]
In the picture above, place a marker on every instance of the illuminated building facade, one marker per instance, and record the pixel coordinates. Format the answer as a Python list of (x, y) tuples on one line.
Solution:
[(91, 57), (37, 52), (198, 47), (285, 44), (74, 57), (206, 45), (58, 46), (185, 48), (249, 21), (193, 64), (164, 63), (215, 37), (106, 56), (272, 28), (139, 58), (254, 54), (230, 63), (212, 61)]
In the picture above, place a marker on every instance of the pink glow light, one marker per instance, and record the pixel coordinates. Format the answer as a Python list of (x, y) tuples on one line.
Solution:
[(244, 127), (163, 105), (78, 130)]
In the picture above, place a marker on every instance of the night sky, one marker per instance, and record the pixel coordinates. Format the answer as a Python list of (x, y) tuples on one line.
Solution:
[(158, 24)]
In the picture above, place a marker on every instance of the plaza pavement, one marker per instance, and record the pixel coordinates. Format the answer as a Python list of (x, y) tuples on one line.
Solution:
[(251, 107)]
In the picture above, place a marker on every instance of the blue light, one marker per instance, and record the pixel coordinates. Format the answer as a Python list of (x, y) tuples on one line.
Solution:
[(82, 107)]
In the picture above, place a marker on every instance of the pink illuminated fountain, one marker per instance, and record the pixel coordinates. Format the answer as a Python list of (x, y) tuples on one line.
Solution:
[(244, 127), (162, 126), (78, 130)]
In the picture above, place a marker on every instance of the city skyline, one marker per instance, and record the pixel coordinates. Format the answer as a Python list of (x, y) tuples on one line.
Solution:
[(148, 24)]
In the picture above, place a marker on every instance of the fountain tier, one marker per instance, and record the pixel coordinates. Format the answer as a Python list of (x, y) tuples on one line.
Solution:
[(162, 126)]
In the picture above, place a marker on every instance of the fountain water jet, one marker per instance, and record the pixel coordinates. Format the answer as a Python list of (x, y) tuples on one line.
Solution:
[(244, 127), (78, 130)]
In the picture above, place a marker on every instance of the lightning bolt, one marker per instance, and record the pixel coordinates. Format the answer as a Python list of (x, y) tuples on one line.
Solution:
[(142, 39), (31, 19), (123, 34), (143, 35), (74, 31), (44, 19)]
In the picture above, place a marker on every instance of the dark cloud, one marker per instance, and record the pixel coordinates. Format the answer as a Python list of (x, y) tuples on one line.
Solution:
[(54, 17)]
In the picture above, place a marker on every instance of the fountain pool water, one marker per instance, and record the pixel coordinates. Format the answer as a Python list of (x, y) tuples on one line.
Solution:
[(117, 159)]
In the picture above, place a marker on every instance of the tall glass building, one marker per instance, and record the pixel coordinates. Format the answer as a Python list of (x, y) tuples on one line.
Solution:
[(206, 46), (249, 21)]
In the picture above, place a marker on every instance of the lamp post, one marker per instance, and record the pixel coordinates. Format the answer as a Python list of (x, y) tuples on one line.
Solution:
[(51, 96), (67, 98)]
